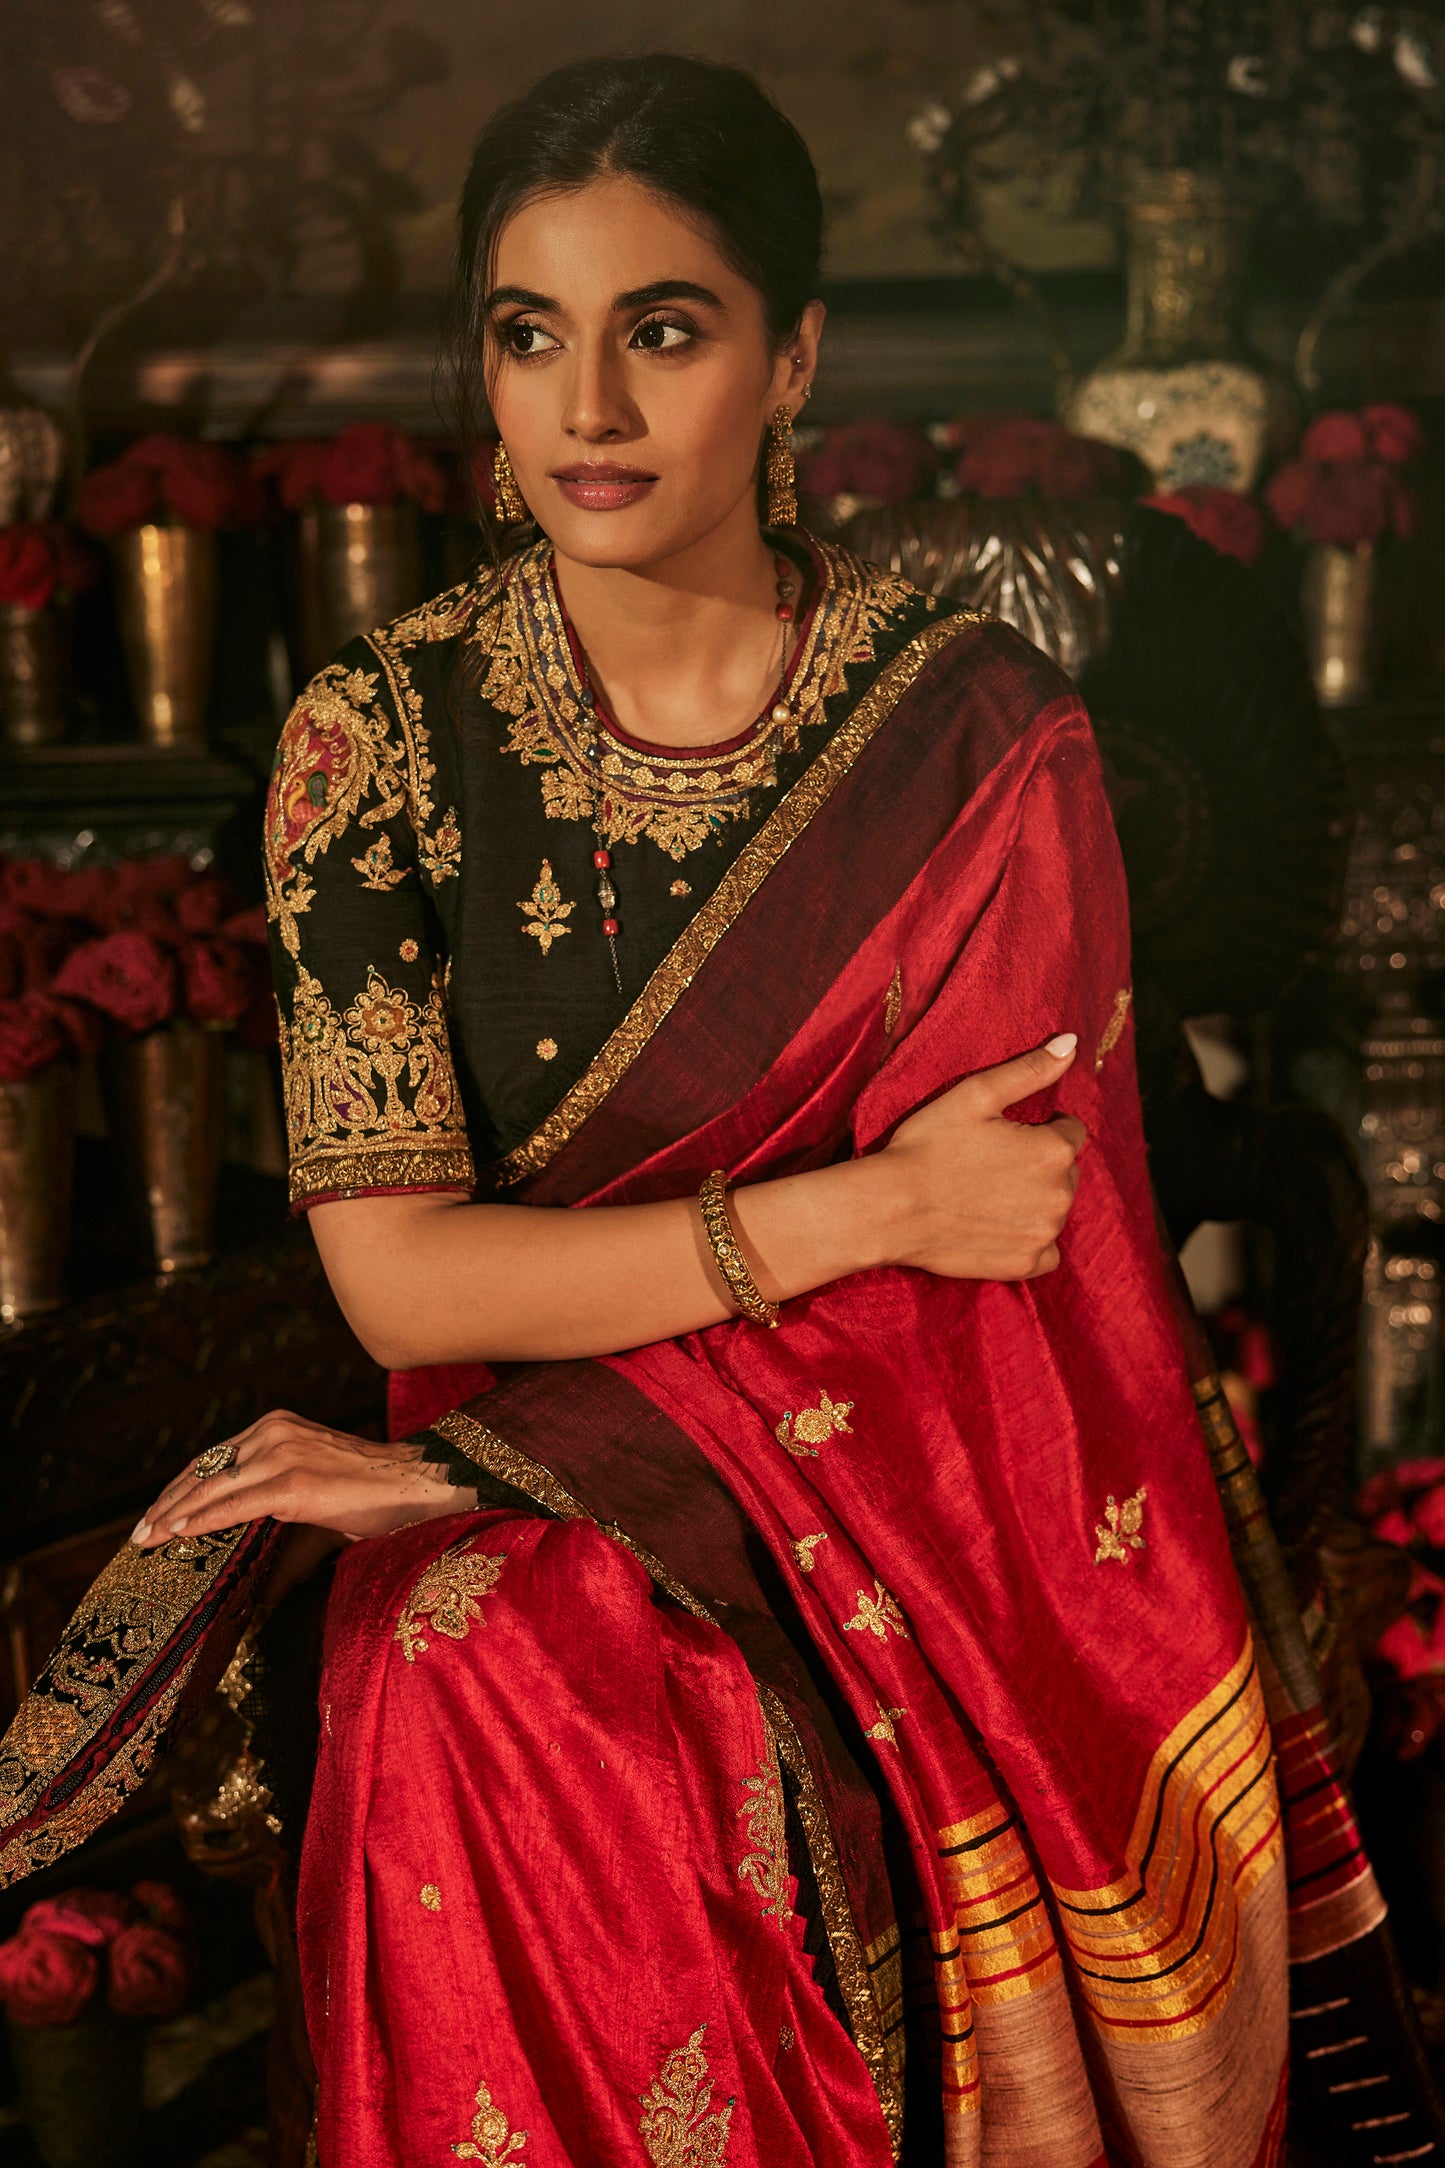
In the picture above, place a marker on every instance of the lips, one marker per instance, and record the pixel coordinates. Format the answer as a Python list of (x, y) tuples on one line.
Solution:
[(602, 485)]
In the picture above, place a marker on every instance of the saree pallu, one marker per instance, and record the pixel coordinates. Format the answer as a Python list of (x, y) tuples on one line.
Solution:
[(924, 1604)]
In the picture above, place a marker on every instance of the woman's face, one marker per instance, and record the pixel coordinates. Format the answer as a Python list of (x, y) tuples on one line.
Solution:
[(631, 374)]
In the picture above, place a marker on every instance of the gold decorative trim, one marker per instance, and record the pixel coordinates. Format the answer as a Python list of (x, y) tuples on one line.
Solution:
[(738, 886), (855, 1981), (416, 1165)]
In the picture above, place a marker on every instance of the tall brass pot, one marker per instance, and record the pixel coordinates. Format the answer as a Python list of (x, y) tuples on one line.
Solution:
[(32, 684), (1339, 618), (166, 592), (37, 1129), (360, 567), (165, 1105)]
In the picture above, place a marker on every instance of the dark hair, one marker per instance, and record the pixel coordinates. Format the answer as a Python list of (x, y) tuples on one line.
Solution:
[(704, 135)]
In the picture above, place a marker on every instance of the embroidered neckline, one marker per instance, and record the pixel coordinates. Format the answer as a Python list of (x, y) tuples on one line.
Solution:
[(531, 675)]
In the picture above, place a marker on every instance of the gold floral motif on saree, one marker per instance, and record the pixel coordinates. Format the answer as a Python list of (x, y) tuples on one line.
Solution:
[(883, 1729), (679, 2127), (803, 1433), (447, 1595), (1119, 1532), (1113, 1031), (893, 1002), (431, 1897), (804, 1548), (546, 913), (379, 872), (343, 1078), (766, 1865), (675, 801), (493, 2139), (878, 1615)]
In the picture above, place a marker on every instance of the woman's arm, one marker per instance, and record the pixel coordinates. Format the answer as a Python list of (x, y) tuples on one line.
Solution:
[(960, 1190)]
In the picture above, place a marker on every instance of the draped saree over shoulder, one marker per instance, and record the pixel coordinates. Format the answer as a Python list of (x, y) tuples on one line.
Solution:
[(930, 1616)]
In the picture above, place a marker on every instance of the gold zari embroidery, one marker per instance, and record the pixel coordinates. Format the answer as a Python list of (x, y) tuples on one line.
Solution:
[(804, 1432), (446, 1595), (1119, 1531), (679, 2127), (878, 1614), (893, 1002), (431, 1897), (1114, 1029), (375, 864), (804, 1548), (493, 2139), (883, 1729), (766, 1865), (545, 910)]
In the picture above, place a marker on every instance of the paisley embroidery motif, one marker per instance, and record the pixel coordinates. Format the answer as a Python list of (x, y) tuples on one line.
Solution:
[(878, 1614), (804, 1548), (493, 2139), (677, 2127), (446, 1595), (545, 910), (334, 755), (766, 1865), (803, 1433), (1119, 1531), (588, 774)]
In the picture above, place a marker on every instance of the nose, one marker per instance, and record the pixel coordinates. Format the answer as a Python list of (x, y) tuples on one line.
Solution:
[(598, 408)]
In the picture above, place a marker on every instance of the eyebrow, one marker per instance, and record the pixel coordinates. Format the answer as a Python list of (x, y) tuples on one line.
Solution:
[(638, 297)]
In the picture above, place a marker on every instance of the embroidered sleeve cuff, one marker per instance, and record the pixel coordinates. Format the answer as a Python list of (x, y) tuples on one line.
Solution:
[(381, 1170)]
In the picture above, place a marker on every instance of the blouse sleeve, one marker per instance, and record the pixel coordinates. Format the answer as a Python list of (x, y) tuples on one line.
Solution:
[(372, 1106)]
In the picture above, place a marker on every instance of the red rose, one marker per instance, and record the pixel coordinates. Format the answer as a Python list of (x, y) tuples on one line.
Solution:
[(51, 891), (127, 976), (91, 1916), (147, 1972), (360, 466), (31, 949), (203, 489), (1335, 436), (27, 565), (1394, 432), (205, 902), (1350, 504), (1290, 494), (295, 468), (1228, 522), (892, 461), (217, 981), (113, 499), (421, 475), (31, 1038), (161, 1906), (46, 1979)]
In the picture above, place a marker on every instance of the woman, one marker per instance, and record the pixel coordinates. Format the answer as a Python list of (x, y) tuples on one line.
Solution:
[(717, 1710)]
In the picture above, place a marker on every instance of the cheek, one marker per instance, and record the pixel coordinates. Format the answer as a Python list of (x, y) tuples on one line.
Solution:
[(706, 421)]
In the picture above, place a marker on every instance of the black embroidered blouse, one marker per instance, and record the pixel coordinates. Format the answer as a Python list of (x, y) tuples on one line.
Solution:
[(438, 795)]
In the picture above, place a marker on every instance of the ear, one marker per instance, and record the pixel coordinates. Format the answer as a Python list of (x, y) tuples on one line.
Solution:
[(797, 363)]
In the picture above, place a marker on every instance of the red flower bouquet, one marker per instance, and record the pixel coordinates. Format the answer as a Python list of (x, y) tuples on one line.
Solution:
[(1016, 455), (167, 478), (47, 1979), (51, 1971), (148, 1972), (1405, 1506), (890, 462), (38, 560), (1345, 488), (1229, 522), (369, 463)]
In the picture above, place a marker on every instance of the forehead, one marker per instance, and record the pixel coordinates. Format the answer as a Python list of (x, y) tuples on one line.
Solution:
[(611, 236)]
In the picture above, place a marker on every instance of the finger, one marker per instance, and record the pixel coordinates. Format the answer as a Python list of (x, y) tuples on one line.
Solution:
[(277, 1427), (1069, 1125), (1027, 1073), (275, 1496)]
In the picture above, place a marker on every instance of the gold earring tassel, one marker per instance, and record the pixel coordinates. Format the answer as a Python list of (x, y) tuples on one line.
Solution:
[(509, 509), (781, 473)]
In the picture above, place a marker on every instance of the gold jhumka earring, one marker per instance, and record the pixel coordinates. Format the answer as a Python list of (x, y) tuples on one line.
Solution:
[(781, 473), (509, 509)]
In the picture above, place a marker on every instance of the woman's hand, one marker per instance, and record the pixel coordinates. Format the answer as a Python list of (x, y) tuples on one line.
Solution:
[(985, 1197), (303, 1472)]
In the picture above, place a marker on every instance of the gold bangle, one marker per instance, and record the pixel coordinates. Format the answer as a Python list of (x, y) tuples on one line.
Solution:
[(731, 1262)]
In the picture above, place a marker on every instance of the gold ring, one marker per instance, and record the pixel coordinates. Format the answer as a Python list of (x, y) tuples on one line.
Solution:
[(215, 1460)]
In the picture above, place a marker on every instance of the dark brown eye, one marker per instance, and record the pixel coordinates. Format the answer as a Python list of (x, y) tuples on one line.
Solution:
[(524, 339), (657, 336)]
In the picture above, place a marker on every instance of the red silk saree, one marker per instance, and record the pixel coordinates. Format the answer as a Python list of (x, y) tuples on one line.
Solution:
[(882, 1738)]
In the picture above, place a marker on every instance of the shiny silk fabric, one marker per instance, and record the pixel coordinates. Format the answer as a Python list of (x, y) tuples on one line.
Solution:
[(917, 1617)]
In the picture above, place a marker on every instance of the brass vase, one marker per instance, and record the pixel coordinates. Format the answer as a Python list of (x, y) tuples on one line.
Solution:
[(1339, 617), (165, 1105), (37, 1129), (360, 567), (166, 592), (32, 696)]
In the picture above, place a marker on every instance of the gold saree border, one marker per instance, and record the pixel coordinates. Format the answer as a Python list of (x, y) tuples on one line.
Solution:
[(879, 2049), (414, 1165), (757, 859)]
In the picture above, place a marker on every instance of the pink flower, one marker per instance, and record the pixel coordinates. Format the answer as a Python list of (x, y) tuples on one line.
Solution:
[(91, 1916), (46, 1979), (148, 1972)]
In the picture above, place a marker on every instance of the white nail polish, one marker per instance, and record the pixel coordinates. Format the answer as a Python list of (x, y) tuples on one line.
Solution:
[(1062, 1046), (140, 1531)]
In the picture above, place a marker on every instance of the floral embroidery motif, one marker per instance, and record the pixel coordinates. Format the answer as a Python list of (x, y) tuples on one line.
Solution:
[(546, 1050), (766, 1866), (883, 1729), (587, 775), (877, 1614), (677, 2127), (893, 1002), (1119, 1531), (335, 752), (447, 1595), (680, 888), (804, 1548), (408, 952), (1114, 1029), (803, 1433), (431, 1897), (375, 863), (546, 910), (493, 2139)]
